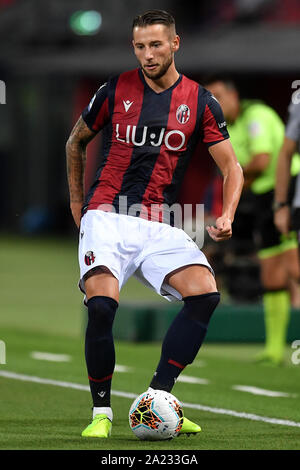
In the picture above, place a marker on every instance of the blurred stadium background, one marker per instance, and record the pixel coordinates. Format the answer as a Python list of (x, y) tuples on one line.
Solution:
[(54, 54)]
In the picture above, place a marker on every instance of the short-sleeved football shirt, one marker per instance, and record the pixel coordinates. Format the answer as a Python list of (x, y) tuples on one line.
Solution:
[(148, 138)]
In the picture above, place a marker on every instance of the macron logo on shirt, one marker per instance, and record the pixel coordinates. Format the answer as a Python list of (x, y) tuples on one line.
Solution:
[(127, 104)]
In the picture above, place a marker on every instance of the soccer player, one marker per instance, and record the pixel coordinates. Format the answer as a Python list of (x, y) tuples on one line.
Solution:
[(291, 143), (257, 133), (152, 118)]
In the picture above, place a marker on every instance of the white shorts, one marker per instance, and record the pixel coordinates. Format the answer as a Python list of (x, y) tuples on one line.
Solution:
[(129, 246)]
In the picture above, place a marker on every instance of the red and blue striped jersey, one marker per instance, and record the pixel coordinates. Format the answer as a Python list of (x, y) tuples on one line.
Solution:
[(148, 139)]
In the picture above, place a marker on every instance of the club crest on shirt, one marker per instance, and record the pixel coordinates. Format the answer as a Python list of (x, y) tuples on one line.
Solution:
[(89, 258), (183, 113)]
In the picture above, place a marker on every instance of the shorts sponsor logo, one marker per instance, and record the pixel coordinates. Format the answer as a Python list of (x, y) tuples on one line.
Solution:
[(183, 113), (89, 258)]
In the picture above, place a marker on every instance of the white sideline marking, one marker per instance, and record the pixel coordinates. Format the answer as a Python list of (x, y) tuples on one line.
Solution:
[(194, 406), (119, 368), (45, 356), (192, 380), (262, 391)]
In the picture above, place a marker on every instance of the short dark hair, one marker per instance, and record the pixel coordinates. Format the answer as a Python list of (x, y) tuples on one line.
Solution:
[(154, 17)]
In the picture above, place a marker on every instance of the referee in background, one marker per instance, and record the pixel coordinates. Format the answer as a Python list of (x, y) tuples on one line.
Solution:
[(257, 134)]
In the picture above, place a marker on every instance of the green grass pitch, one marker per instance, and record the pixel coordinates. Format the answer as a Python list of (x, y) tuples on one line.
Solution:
[(41, 311)]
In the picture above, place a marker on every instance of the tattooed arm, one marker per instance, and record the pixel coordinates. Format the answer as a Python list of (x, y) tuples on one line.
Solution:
[(80, 136)]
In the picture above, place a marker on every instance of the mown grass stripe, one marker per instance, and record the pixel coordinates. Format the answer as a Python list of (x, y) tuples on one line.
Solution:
[(195, 406)]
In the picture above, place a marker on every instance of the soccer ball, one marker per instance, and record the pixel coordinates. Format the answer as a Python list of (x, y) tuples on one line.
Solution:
[(156, 415)]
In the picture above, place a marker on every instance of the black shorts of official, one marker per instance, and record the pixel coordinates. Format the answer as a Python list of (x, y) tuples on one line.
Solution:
[(266, 234), (295, 217)]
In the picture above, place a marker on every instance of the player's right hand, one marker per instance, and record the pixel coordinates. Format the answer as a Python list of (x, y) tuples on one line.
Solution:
[(282, 220), (76, 212)]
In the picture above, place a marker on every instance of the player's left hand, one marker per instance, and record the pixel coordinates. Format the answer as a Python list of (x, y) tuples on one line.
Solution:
[(222, 230)]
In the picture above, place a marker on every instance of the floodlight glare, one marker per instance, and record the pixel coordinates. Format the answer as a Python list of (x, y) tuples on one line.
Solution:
[(86, 23)]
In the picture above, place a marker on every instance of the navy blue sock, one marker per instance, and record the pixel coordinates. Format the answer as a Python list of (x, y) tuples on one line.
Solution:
[(99, 347), (184, 338)]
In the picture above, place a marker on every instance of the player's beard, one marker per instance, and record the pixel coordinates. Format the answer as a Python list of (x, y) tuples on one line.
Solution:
[(162, 71)]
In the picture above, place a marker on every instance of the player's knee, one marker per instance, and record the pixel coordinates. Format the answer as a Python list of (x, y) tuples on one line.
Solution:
[(201, 307), (203, 283), (101, 312)]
